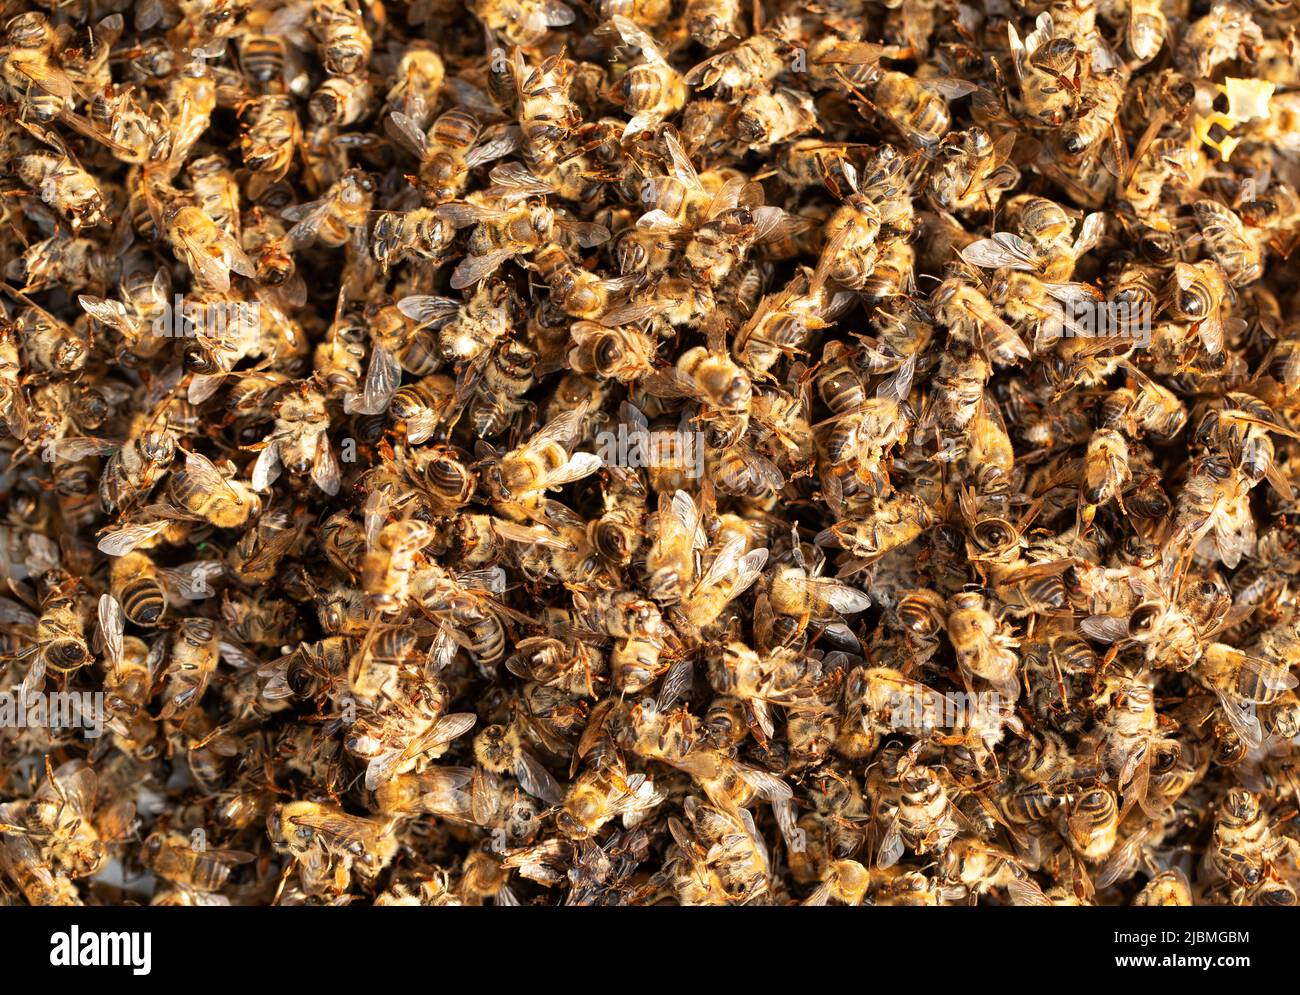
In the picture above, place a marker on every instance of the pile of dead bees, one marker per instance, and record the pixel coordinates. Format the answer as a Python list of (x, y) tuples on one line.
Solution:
[(649, 452)]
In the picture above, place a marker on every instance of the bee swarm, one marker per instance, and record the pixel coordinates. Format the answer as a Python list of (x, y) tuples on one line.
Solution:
[(649, 452)]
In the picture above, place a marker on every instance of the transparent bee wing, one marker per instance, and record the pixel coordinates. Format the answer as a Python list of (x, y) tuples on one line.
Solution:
[(658, 221), (1002, 250), (565, 429), (536, 780), (1104, 628), (325, 468), (498, 141), (891, 846), (679, 161), (949, 87), (1024, 890), (844, 599), (111, 313), (267, 468), (206, 474), (513, 181), (121, 541), (406, 132), (1243, 716), (579, 465), (433, 312), (12, 613), (897, 387), (383, 378), (202, 386), (531, 534), (79, 447), (676, 685), (588, 234), (472, 269)]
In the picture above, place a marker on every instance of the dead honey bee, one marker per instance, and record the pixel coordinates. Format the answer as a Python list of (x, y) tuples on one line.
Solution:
[(299, 442)]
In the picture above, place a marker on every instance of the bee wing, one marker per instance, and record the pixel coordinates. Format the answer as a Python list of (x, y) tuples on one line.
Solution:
[(727, 197), (702, 74), (579, 465), (79, 447), (679, 162), (724, 562), (413, 538), (426, 310), (383, 377), (1233, 539), (769, 787), (763, 469), (536, 780), (498, 141), (446, 729), (12, 613), (513, 180), (325, 468), (1270, 424), (566, 429), (207, 267), (819, 896), (41, 73), (73, 782), (844, 599), (148, 13), (206, 474), (687, 514), (111, 623), (1104, 628), (1003, 250), (1275, 679), (109, 312), (891, 846), (374, 512), (898, 386), (632, 34), (852, 53), (531, 534), (121, 541), (308, 217), (203, 386), (771, 224), (351, 832), (677, 685), (472, 269), (1244, 719), (1076, 295), (587, 233), (629, 314), (949, 87), (1279, 482), (1024, 890), (239, 657), (406, 132), (267, 467), (287, 20), (748, 570), (462, 215), (1090, 233), (658, 220)]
